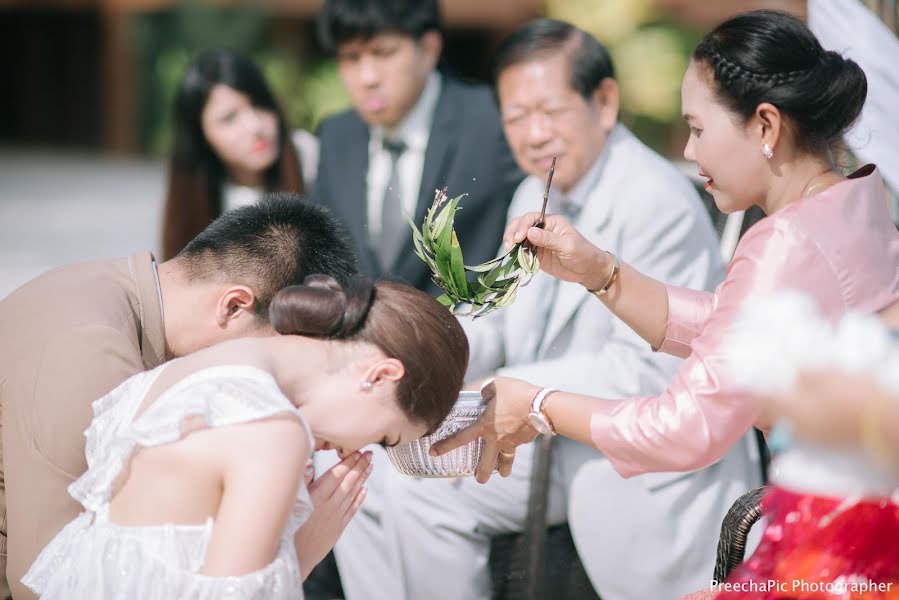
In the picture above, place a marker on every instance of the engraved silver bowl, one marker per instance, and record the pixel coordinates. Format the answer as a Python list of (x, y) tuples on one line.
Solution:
[(412, 458)]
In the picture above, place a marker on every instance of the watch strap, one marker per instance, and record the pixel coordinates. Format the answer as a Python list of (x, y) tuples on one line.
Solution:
[(537, 405)]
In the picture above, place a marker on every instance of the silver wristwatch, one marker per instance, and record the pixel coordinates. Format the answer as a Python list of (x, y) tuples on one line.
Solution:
[(537, 417)]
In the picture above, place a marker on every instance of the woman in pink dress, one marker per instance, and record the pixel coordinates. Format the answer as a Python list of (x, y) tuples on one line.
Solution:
[(764, 103)]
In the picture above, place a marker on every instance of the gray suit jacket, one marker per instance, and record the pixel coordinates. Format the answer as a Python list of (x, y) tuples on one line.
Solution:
[(646, 212), (466, 153)]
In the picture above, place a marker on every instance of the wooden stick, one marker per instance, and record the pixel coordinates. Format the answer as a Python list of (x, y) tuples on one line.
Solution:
[(549, 180)]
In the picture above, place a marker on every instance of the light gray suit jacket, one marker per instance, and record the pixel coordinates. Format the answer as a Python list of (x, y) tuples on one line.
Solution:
[(645, 211)]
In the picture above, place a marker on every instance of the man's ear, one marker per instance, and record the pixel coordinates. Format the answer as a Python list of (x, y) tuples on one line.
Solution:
[(235, 303), (431, 42), (606, 100)]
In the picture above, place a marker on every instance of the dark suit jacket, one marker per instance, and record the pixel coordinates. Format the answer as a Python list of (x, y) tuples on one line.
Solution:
[(467, 153)]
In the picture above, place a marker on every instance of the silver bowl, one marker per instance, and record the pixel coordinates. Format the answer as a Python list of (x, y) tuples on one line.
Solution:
[(412, 458)]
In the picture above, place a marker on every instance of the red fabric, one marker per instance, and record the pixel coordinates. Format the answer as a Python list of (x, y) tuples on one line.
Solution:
[(815, 547)]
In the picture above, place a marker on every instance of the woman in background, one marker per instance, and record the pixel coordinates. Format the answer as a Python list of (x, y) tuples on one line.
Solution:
[(231, 142)]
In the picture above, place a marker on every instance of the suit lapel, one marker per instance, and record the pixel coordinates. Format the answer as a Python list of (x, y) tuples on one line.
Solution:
[(592, 223), (440, 150), (529, 315), (441, 147), (568, 298), (353, 183), (353, 196)]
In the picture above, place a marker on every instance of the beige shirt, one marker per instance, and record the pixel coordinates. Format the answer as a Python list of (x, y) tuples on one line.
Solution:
[(66, 338)]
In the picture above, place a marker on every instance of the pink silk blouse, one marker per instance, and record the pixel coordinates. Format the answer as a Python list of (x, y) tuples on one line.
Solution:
[(839, 246)]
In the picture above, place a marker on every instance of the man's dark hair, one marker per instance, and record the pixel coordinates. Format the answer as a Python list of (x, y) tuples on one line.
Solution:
[(588, 60), (343, 21), (270, 245)]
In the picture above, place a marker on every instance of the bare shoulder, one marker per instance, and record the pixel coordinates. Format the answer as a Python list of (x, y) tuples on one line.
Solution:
[(282, 435)]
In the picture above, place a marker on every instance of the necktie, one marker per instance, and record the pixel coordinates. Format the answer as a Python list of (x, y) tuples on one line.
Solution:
[(393, 222), (570, 211)]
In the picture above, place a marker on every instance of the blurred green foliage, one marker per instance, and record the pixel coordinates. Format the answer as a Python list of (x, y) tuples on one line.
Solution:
[(308, 94), (304, 82), (650, 55)]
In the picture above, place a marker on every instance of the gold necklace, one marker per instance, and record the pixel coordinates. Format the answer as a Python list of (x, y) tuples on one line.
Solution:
[(807, 191)]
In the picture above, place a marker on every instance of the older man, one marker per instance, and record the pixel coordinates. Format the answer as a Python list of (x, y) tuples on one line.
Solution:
[(74, 333), (647, 537)]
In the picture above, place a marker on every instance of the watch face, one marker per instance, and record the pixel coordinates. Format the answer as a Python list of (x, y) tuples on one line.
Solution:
[(539, 423)]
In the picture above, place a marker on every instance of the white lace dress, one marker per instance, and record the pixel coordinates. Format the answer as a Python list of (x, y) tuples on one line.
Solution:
[(92, 558)]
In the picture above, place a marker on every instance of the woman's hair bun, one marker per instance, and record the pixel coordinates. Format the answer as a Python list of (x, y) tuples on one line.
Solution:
[(321, 307), (772, 56)]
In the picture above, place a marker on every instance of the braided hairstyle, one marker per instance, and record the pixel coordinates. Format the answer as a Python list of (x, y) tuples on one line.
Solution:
[(405, 323), (771, 56)]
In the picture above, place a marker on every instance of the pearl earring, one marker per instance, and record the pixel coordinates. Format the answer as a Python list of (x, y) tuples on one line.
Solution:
[(767, 152), (366, 386)]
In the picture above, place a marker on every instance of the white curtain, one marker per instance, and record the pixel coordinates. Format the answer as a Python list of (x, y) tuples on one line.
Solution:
[(850, 28)]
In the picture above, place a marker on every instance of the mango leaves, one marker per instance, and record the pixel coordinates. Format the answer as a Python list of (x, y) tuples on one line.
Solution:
[(492, 284)]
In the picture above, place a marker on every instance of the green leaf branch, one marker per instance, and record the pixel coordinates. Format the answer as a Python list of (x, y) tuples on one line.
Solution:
[(470, 290)]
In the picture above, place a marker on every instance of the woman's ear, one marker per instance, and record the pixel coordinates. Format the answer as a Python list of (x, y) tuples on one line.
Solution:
[(385, 370), (769, 123)]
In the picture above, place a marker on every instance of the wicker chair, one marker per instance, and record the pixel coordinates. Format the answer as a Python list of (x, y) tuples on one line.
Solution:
[(735, 529)]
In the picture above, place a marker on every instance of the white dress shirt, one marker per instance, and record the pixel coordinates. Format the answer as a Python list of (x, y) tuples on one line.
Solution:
[(851, 29), (414, 131)]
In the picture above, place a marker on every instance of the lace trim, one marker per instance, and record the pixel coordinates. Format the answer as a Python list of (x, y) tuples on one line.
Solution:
[(219, 396), (130, 569)]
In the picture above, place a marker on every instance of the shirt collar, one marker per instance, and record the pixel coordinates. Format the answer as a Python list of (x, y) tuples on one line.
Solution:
[(415, 127), (575, 200), (158, 289), (149, 297)]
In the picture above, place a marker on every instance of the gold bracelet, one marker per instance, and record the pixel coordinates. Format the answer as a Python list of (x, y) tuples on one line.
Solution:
[(872, 430), (613, 277)]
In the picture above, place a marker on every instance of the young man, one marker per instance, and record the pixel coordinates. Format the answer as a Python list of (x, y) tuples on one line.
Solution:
[(647, 537), (74, 333), (411, 131)]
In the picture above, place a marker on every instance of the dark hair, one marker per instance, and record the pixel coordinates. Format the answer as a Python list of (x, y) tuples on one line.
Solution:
[(405, 323), (588, 60), (196, 174), (342, 21), (270, 245), (771, 56)]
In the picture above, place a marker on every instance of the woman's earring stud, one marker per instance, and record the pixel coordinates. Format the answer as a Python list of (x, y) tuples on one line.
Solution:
[(767, 152), (366, 386)]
